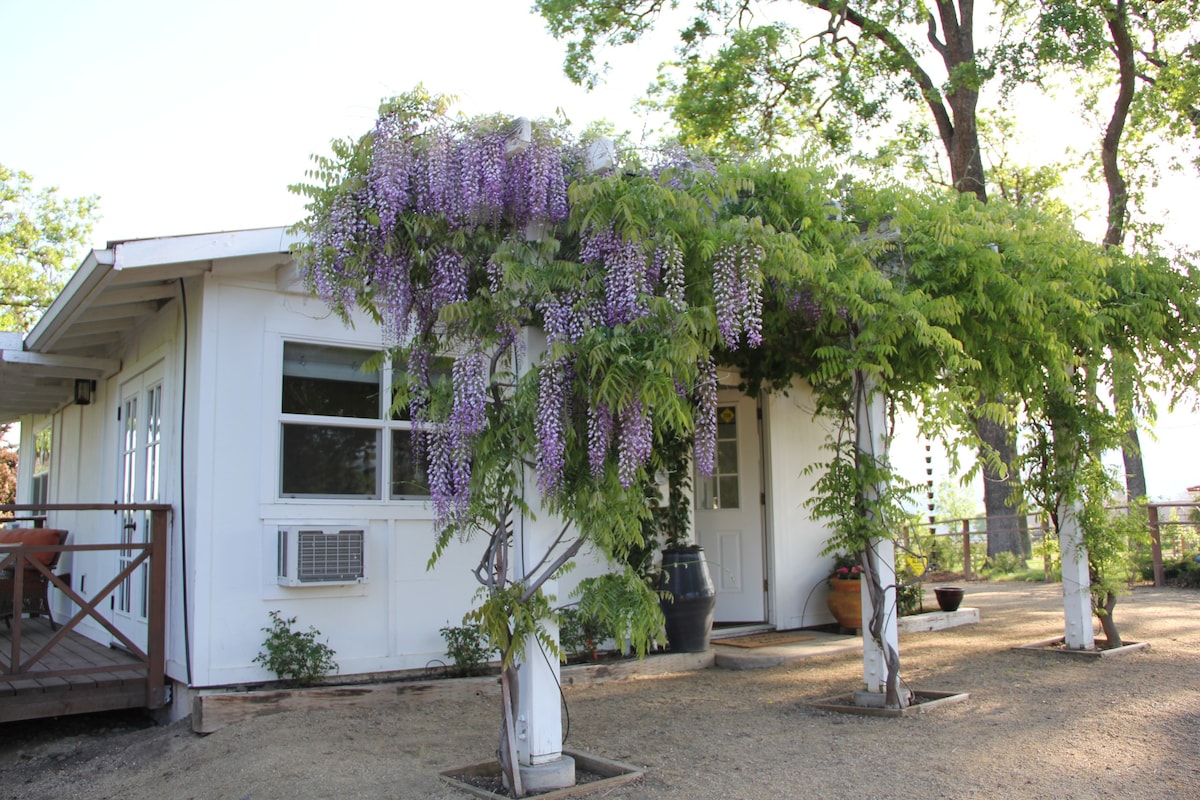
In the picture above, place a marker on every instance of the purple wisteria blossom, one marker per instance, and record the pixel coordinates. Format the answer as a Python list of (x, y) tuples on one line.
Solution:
[(469, 376), (670, 260), (567, 317), (550, 426), (738, 295), (806, 304), (706, 418), (600, 431), (625, 270), (449, 272), (635, 440), (390, 177)]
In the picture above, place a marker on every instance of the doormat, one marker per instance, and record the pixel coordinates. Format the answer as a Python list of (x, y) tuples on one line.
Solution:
[(765, 639)]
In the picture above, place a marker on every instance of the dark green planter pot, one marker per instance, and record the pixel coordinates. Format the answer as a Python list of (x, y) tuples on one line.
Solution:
[(689, 612)]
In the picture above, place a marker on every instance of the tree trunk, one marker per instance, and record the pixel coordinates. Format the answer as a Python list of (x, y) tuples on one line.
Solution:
[(1108, 624), (1118, 210), (1007, 529), (1135, 469)]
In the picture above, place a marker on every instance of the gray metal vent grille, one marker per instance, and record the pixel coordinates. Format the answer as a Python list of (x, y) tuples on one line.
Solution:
[(329, 555)]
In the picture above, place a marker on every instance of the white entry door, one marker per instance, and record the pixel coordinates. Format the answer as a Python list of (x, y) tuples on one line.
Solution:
[(729, 517), (140, 422)]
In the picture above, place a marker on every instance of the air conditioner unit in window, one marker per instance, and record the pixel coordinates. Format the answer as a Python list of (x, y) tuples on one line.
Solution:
[(309, 556)]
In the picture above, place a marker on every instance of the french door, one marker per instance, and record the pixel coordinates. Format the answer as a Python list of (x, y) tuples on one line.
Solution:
[(140, 450)]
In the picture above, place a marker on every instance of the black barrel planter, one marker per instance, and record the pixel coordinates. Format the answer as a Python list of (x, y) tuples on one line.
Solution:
[(689, 612)]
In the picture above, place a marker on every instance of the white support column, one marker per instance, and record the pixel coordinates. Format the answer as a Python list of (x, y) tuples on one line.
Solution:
[(874, 665), (539, 710), (1076, 581), (870, 424)]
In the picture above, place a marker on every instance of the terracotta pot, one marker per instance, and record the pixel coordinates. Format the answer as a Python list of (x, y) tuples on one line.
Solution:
[(845, 602), (948, 597)]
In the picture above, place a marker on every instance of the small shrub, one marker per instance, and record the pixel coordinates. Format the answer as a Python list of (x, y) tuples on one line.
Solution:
[(1182, 571), (909, 598), (1006, 563), (941, 553), (294, 655), (579, 634), (466, 646)]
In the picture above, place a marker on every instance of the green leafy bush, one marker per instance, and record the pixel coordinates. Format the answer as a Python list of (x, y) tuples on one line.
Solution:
[(580, 634), (1005, 563), (941, 553), (909, 597), (1182, 571), (467, 647), (294, 655)]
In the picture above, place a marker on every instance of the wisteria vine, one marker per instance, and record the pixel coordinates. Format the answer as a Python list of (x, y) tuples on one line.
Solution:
[(429, 220)]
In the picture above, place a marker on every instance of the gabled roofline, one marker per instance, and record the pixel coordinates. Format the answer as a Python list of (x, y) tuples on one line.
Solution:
[(71, 300), (99, 267)]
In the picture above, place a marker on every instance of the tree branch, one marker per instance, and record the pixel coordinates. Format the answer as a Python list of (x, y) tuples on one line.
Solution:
[(937, 44), (910, 65)]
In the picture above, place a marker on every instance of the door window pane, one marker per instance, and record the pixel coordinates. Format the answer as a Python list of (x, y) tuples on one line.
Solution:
[(39, 490), (722, 490), (329, 461)]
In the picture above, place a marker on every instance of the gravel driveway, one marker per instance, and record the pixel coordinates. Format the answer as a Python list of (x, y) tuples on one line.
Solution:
[(1035, 726)]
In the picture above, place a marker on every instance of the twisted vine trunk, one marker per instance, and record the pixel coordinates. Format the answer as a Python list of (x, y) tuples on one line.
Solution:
[(880, 610), (510, 700)]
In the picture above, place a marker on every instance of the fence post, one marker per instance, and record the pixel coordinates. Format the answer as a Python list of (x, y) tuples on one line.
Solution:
[(966, 534), (1160, 578), (156, 633)]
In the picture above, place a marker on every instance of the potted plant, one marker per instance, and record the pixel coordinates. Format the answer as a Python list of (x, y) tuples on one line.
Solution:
[(845, 591)]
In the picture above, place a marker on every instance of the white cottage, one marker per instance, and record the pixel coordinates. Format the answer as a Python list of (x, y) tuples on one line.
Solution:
[(195, 371)]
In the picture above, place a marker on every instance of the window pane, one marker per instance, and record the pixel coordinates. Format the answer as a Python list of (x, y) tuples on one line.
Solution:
[(728, 488), (328, 381), (727, 458), (408, 478), (329, 461)]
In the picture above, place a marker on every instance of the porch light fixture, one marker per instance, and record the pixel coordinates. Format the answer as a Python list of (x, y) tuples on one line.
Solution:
[(84, 389)]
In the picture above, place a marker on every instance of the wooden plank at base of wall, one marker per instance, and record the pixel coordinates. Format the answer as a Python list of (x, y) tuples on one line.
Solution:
[(213, 711)]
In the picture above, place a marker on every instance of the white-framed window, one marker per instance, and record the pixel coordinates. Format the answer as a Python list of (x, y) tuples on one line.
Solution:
[(338, 438), (43, 447)]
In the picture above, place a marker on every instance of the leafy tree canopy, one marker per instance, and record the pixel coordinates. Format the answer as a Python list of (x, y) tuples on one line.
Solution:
[(40, 235)]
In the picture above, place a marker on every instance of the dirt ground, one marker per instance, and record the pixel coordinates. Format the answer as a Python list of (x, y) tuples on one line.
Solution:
[(1035, 726)]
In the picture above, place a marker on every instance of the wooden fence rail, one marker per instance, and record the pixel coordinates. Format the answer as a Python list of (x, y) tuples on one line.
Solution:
[(961, 526)]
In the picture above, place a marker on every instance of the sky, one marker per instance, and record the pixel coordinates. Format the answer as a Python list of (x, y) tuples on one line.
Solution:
[(195, 117)]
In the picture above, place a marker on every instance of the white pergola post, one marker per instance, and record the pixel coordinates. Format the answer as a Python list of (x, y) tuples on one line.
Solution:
[(539, 711), (539, 716), (874, 664), (870, 427), (1076, 581)]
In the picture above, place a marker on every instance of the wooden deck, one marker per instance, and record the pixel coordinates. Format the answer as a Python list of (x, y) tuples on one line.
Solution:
[(97, 678), (46, 672)]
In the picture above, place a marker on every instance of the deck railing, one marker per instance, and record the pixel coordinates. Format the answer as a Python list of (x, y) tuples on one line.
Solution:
[(150, 659)]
